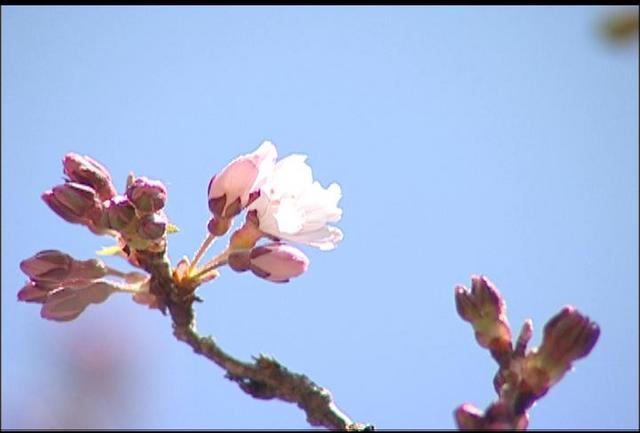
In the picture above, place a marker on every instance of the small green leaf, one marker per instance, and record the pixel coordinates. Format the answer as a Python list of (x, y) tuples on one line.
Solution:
[(113, 250), (172, 228)]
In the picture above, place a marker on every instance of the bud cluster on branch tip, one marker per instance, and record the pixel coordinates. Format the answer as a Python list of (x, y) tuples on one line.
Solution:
[(524, 376), (275, 262), (64, 286), (484, 307), (88, 197)]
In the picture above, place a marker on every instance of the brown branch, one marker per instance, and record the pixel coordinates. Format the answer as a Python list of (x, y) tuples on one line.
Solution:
[(265, 378)]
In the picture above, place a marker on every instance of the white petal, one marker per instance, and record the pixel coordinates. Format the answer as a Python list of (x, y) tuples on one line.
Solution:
[(291, 176), (325, 238), (289, 216)]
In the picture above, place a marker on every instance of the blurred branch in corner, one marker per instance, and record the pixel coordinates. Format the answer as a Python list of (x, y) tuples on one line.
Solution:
[(621, 26)]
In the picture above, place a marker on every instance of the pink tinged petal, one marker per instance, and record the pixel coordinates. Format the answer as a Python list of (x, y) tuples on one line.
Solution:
[(235, 180), (278, 262), (239, 180)]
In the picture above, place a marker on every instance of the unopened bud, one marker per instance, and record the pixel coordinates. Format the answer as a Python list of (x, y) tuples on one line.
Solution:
[(87, 171), (147, 195), (485, 309), (152, 226), (120, 213), (72, 201), (51, 265), (568, 336), (278, 262)]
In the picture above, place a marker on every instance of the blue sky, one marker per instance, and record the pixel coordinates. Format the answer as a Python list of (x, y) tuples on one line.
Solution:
[(466, 140)]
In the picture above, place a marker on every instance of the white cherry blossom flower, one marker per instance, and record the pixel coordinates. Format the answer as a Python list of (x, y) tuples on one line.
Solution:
[(294, 207)]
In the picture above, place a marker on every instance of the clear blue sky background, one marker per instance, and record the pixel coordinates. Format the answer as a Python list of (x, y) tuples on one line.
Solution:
[(501, 141)]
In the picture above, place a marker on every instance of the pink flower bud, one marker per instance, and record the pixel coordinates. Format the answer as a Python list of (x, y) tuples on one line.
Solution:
[(147, 195), (485, 309), (277, 262), (52, 266), (568, 336), (152, 226), (87, 171), (69, 302), (47, 265), (73, 202), (238, 183), (120, 213)]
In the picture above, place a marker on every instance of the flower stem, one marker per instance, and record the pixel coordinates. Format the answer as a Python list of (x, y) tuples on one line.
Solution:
[(203, 249), (219, 260)]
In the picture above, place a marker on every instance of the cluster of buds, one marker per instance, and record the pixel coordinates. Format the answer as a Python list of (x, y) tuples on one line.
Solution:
[(524, 375), (138, 215), (283, 203), (65, 286), (79, 200), (88, 197)]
